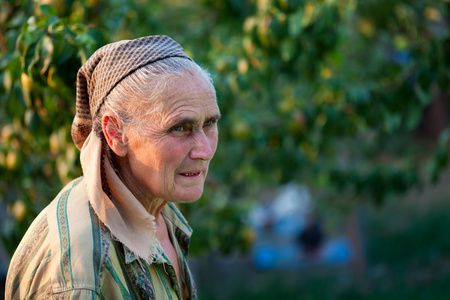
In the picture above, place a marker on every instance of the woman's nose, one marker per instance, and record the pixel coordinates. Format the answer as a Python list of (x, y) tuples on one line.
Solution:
[(204, 145)]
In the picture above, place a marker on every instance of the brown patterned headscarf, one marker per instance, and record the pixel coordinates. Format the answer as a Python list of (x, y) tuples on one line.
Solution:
[(107, 67)]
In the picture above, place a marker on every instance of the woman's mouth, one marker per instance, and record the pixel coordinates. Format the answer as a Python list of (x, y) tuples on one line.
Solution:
[(193, 174)]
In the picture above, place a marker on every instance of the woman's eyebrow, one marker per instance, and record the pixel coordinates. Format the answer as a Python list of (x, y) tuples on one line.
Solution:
[(215, 117), (193, 121), (185, 121)]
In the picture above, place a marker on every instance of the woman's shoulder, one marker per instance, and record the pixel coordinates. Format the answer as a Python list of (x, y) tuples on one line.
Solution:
[(63, 247)]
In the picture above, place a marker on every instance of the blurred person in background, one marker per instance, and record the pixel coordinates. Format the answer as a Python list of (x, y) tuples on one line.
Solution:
[(146, 125), (311, 237)]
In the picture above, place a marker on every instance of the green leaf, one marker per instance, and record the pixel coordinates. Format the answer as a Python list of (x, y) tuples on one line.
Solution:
[(46, 53), (413, 118), (421, 94), (295, 23), (48, 10)]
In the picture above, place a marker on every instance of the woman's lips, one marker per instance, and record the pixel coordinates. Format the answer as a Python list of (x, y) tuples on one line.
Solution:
[(191, 174)]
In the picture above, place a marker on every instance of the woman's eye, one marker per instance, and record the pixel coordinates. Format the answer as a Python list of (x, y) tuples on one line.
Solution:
[(178, 128), (209, 123)]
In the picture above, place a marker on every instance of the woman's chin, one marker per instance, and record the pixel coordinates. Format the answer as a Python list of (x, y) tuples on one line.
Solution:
[(188, 195)]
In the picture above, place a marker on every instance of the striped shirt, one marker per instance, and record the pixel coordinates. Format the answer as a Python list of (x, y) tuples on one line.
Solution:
[(68, 252)]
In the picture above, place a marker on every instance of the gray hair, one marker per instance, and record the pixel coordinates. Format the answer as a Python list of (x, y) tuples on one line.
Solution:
[(137, 97)]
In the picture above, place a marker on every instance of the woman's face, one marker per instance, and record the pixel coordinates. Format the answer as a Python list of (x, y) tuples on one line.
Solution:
[(172, 161)]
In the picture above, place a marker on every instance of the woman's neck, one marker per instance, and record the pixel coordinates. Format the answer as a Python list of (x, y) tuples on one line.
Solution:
[(152, 204)]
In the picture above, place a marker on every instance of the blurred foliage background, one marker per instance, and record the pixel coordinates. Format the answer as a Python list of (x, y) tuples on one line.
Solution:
[(330, 93)]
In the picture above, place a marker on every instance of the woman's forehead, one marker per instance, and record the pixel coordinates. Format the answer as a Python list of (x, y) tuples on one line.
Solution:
[(190, 92), (191, 111)]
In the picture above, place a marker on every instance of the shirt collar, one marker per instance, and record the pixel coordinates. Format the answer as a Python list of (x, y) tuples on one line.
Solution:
[(123, 214)]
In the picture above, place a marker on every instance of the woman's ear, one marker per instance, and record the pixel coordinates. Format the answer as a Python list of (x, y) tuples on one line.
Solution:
[(114, 135)]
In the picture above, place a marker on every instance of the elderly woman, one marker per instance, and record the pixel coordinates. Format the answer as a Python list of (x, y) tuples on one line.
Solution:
[(145, 123)]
